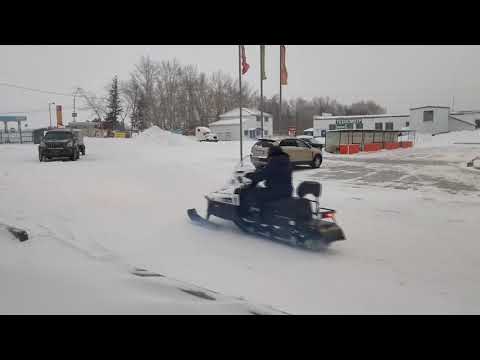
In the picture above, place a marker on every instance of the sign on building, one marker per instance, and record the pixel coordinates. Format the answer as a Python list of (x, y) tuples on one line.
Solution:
[(342, 124), (59, 116), (292, 131)]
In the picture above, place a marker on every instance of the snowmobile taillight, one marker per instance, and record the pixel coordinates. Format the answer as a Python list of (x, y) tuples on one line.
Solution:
[(328, 216)]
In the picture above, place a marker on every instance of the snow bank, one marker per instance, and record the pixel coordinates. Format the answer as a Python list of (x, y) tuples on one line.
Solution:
[(44, 276), (155, 135)]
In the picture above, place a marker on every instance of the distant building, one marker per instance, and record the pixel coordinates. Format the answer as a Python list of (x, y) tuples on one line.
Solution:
[(228, 127), (425, 119), (88, 128)]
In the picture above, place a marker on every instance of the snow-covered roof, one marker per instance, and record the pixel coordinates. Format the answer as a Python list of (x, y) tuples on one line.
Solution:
[(227, 122), (317, 117), (461, 120), (245, 111), (464, 112), (430, 106)]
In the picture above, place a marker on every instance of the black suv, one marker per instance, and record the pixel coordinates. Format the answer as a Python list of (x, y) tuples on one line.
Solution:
[(59, 143)]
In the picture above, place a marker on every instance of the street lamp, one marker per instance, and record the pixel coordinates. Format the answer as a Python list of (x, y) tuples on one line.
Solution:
[(50, 112), (74, 114)]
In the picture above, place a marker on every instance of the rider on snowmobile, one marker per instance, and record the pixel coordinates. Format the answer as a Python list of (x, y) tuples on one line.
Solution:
[(277, 174)]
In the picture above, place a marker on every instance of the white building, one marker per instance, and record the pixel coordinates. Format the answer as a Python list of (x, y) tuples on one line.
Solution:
[(228, 127), (425, 119)]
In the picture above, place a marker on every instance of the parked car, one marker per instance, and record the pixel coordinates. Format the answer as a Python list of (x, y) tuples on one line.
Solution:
[(300, 152), (59, 143)]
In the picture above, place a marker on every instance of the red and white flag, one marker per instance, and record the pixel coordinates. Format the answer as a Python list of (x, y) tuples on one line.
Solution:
[(245, 66), (283, 66)]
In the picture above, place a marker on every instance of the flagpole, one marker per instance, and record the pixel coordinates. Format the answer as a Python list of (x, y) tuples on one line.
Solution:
[(280, 82), (240, 101), (262, 69)]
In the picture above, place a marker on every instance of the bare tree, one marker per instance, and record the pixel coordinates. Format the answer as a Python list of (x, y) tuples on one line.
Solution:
[(93, 103), (130, 92), (145, 74)]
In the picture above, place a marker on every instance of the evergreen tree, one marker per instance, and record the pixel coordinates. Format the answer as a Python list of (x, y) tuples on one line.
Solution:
[(114, 106)]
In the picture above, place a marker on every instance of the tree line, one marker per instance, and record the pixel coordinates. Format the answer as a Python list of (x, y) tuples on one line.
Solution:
[(174, 96)]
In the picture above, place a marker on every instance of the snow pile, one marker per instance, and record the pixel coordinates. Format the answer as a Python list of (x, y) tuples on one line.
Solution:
[(46, 275), (155, 135)]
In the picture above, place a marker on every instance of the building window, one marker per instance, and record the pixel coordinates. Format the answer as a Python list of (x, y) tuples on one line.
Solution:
[(407, 123), (265, 118), (378, 126), (389, 126), (477, 124), (332, 127), (428, 115), (359, 125), (245, 132), (265, 132), (349, 125)]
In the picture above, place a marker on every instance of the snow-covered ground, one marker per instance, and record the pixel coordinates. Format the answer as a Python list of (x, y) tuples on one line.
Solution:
[(410, 217)]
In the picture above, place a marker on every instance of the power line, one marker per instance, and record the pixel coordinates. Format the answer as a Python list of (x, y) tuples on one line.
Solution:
[(32, 89), (39, 111), (47, 91)]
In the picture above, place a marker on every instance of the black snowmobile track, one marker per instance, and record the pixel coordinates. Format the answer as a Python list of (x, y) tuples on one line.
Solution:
[(262, 232)]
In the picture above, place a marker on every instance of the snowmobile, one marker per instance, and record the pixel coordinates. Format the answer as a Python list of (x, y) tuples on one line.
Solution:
[(297, 221)]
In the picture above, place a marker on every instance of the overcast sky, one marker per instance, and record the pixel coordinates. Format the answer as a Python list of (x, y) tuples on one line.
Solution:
[(397, 77)]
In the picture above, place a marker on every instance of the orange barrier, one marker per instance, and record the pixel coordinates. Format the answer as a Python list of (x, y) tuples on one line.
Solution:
[(343, 149), (392, 145), (349, 149), (353, 148), (372, 147)]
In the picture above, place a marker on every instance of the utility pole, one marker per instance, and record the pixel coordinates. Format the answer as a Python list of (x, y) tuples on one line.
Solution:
[(280, 82), (240, 101), (74, 114), (262, 73), (50, 112)]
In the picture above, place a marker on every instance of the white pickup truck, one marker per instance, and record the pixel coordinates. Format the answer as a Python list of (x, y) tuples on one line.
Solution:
[(204, 134)]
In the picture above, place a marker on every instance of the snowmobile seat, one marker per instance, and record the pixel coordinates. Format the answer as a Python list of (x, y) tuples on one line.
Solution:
[(309, 187), (298, 209)]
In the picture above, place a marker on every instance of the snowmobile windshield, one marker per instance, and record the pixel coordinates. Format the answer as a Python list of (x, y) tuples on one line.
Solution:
[(245, 165), (241, 168)]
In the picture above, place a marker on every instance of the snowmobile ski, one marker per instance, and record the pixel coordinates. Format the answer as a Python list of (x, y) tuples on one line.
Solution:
[(199, 220)]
